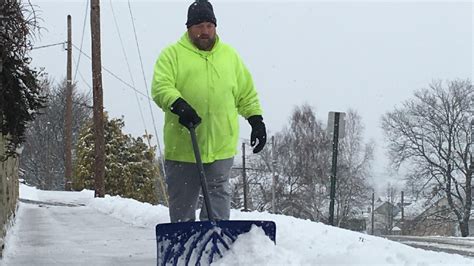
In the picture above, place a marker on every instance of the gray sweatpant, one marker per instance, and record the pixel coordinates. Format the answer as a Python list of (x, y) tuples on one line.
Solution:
[(184, 186)]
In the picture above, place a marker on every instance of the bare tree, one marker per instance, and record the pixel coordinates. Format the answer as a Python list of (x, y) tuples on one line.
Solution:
[(354, 164), (260, 178), (303, 161), (430, 134), (259, 181), (303, 156), (43, 155)]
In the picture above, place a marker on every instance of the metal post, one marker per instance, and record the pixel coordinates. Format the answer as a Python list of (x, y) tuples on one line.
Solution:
[(471, 166), (99, 162), (373, 214), (470, 170), (244, 178), (334, 168), (403, 213), (390, 216), (49, 177), (274, 175), (2, 51), (68, 116)]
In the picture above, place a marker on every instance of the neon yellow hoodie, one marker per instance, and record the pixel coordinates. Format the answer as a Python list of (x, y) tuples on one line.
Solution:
[(217, 85)]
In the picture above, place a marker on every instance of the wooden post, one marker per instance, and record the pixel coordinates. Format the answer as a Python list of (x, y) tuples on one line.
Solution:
[(68, 116), (403, 213), (274, 175), (244, 178), (99, 162), (373, 214)]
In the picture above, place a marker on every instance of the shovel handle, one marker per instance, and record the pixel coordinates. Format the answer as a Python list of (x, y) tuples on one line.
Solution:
[(202, 175)]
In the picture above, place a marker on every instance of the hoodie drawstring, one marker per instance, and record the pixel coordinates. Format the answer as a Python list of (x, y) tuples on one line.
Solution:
[(213, 66)]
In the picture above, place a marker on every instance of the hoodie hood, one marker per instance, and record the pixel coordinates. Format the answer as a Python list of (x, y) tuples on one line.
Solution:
[(188, 44)]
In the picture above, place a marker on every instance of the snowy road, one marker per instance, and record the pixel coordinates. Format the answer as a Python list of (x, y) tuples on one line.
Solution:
[(453, 245), (49, 234)]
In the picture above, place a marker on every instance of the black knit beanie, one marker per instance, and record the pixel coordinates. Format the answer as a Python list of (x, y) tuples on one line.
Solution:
[(200, 11)]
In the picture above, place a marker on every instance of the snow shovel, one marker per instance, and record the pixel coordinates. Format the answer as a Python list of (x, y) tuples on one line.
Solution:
[(201, 243)]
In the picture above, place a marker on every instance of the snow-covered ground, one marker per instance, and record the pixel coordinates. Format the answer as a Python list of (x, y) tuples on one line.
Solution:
[(299, 242)]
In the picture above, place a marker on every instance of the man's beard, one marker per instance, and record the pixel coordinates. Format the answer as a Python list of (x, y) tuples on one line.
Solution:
[(205, 43)]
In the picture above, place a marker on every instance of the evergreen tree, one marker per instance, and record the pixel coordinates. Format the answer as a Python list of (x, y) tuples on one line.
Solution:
[(130, 168), (20, 90)]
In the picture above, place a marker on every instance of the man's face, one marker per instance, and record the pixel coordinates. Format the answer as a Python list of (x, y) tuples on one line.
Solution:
[(203, 35)]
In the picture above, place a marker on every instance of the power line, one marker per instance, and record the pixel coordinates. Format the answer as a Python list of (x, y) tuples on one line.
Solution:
[(128, 65), (77, 62), (104, 68), (149, 103), (81, 76), (84, 80), (113, 74), (49, 45), (82, 38), (146, 85)]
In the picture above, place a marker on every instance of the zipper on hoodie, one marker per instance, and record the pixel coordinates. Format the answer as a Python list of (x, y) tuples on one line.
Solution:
[(208, 109)]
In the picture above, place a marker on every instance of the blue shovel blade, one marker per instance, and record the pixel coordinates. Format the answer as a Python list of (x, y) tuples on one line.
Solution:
[(200, 243)]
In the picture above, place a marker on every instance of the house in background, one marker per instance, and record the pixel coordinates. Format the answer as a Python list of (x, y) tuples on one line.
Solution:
[(435, 219), (420, 218), (386, 215)]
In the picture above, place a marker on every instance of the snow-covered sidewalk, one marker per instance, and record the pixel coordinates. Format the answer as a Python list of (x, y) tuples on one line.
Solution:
[(117, 231), (48, 233), (58, 235)]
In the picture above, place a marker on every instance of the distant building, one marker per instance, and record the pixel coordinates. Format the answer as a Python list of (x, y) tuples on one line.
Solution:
[(386, 216), (421, 218), (435, 219)]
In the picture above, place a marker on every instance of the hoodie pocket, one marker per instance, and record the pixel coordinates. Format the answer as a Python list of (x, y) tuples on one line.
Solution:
[(222, 124), (224, 132)]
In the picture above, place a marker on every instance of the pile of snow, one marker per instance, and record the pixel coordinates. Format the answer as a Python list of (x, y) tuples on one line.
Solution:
[(298, 241), (131, 211), (34, 194)]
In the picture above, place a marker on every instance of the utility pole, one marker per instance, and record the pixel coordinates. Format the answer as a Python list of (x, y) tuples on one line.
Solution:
[(99, 162), (469, 187), (244, 178), (373, 214), (274, 175), (2, 52), (334, 117), (68, 117), (403, 213), (49, 177)]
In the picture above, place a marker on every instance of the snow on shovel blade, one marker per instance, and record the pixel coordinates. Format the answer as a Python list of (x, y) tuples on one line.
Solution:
[(200, 243)]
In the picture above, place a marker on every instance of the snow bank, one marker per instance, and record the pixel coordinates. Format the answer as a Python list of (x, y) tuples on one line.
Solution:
[(303, 242), (131, 211), (66, 197), (299, 242)]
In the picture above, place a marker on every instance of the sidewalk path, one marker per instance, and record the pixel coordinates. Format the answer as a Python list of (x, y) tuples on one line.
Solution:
[(55, 233)]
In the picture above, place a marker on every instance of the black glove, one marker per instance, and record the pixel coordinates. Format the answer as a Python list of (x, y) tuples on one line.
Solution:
[(258, 132), (187, 115)]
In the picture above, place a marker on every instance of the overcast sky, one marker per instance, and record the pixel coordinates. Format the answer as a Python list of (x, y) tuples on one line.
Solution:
[(333, 55)]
